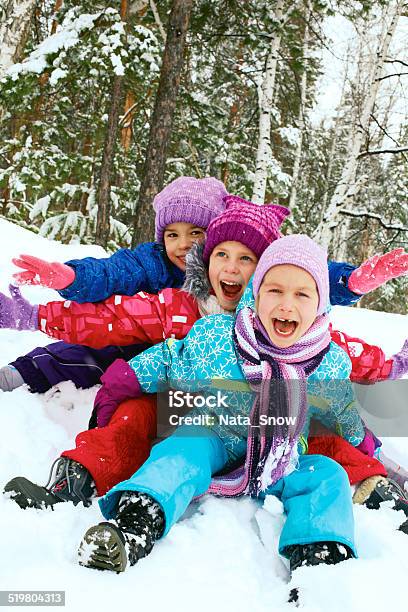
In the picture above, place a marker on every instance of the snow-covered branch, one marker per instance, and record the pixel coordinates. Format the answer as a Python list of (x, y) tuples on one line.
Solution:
[(370, 215), (380, 151)]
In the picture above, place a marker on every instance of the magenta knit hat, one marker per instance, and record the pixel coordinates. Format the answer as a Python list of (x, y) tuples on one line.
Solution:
[(188, 200), (298, 250), (254, 225)]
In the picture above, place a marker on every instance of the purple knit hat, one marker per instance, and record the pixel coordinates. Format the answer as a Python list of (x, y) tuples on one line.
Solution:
[(254, 225), (188, 200), (298, 250)]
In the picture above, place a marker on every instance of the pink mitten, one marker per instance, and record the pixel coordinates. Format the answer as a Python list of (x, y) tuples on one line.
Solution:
[(378, 270), (367, 446), (39, 272)]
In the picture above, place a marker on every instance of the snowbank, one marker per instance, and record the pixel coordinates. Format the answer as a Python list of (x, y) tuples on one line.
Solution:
[(223, 555)]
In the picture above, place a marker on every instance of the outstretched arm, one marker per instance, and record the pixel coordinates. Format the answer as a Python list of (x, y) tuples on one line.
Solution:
[(348, 283), (378, 270), (121, 320), (92, 280)]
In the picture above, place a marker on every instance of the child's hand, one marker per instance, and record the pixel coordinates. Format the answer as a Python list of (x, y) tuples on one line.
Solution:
[(399, 363), (378, 270), (39, 272), (119, 383), (17, 312), (367, 446)]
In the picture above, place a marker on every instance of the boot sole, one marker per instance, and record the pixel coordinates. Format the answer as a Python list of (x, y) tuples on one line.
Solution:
[(26, 494), (103, 548)]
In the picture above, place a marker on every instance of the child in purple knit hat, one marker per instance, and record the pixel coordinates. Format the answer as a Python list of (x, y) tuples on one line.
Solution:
[(184, 208), (196, 201)]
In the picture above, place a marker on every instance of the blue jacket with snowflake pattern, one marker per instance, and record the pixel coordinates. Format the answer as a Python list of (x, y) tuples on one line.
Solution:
[(205, 361)]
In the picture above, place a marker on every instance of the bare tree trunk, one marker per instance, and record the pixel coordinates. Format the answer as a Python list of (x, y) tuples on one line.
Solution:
[(265, 98), (346, 186), (334, 145), (162, 118), (103, 195), (301, 117), (15, 22)]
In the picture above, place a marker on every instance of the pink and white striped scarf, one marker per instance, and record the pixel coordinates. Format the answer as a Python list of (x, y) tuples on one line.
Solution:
[(278, 377)]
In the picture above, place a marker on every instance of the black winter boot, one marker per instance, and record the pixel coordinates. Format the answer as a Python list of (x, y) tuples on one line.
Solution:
[(316, 553), (109, 546), (71, 481), (373, 491), (27, 494), (388, 490)]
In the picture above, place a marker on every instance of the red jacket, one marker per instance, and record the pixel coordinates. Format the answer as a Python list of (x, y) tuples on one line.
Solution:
[(121, 320), (147, 318)]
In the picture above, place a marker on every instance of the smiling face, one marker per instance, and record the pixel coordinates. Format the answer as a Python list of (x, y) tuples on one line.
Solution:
[(178, 239), (287, 304), (231, 266)]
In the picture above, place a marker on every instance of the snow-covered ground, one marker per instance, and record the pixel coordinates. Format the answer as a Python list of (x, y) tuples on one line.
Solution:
[(223, 554)]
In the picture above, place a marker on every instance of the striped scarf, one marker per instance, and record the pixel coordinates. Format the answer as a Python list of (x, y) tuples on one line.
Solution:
[(272, 449)]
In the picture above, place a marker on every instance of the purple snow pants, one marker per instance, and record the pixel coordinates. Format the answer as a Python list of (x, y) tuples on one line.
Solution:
[(46, 366)]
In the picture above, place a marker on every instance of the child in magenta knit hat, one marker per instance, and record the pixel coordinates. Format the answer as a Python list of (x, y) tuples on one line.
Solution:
[(214, 285)]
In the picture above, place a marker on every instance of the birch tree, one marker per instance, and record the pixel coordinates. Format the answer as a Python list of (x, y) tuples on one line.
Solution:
[(346, 186), (302, 112), (15, 22), (265, 100)]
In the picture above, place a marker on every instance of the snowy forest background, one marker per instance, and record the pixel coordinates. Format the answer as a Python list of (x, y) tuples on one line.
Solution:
[(302, 102)]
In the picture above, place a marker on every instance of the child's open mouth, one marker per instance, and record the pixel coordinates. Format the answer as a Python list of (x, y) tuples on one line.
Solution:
[(284, 327), (230, 289)]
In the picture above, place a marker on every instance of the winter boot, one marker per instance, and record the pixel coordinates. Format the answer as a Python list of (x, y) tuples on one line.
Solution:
[(10, 378), (109, 546), (395, 471), (377, 489), (71, 482), (29, 495), (301, 555)]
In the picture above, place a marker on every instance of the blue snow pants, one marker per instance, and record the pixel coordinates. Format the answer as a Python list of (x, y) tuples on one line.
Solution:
[(316, 496)]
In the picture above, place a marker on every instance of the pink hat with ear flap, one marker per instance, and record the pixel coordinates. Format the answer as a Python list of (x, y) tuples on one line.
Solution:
[(297, 250), (254, 225)]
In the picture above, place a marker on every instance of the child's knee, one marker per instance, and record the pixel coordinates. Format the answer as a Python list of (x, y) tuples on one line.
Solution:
[(196, 446), (331, 470)]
